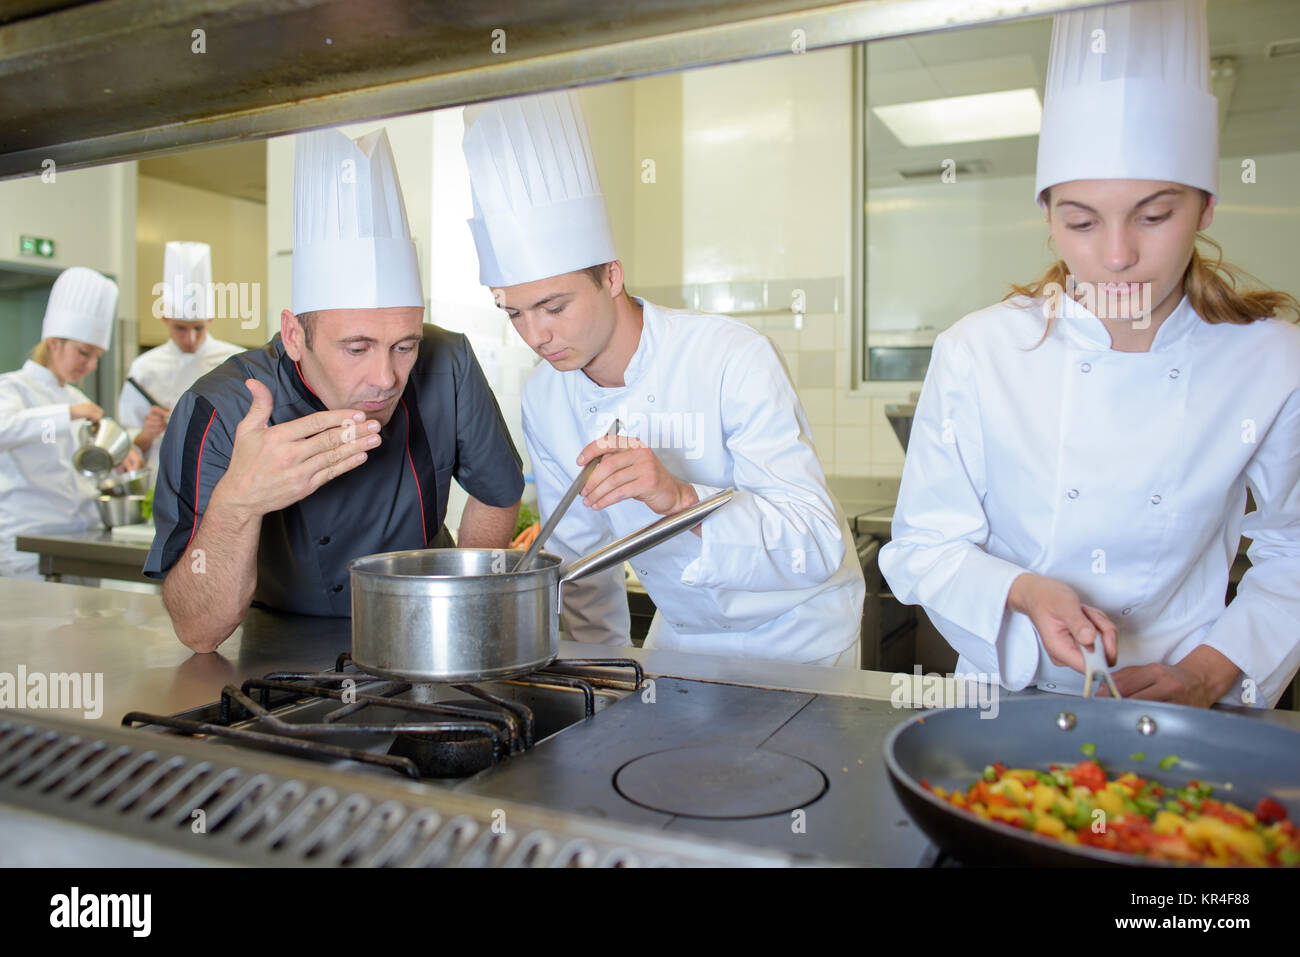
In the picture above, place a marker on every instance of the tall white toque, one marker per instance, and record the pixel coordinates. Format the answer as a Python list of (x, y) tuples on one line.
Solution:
[(1128, 97), (538, 208), (82, 306), (352, 246), (186, 265)]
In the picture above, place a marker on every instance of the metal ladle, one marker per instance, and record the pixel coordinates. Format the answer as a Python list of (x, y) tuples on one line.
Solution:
[(563, 506)]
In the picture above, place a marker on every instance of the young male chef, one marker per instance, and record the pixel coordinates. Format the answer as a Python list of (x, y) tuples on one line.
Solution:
[(705, 401), (340, 437), (191, 351)]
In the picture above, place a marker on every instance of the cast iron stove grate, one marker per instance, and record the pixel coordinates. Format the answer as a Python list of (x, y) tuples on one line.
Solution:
[(432, 739)]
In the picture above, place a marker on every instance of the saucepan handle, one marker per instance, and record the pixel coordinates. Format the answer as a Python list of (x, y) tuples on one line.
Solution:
[(618, 552)]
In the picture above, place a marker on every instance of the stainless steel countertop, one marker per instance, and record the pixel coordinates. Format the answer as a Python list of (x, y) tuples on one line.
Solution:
[(128, 637), (98, 545)]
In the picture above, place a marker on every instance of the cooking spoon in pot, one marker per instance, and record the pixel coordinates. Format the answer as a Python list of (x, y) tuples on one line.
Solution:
[(562, 506)]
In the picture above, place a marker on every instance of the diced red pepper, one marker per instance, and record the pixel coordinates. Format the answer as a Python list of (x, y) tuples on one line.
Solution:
[(1088, 774), (1269, 811)]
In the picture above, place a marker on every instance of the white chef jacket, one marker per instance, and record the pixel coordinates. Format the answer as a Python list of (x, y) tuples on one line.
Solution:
[(167, 371), (40, 491), (1122, 474), (774, 575)]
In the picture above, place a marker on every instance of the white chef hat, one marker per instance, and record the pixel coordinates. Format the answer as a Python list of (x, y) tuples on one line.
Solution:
[(1127, 97), (538, 209), (82, 306), (352, 246), (184, 266)]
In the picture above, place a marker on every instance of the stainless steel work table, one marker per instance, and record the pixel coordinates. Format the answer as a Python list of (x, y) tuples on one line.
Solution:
[(92, 554), (48, 627)]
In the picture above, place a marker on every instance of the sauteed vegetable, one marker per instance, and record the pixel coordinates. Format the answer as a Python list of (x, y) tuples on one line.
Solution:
[(1079, 805)]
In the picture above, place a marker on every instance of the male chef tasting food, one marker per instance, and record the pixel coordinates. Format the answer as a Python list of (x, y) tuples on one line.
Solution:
[(340, 437), (190, 351), (1081, 452), (41, 414), (705, 400)]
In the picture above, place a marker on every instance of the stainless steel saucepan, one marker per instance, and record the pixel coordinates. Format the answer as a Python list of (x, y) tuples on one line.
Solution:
[(463, 614)]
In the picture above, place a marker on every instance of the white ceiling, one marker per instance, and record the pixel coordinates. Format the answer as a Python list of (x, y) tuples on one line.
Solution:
[(1263, 115)]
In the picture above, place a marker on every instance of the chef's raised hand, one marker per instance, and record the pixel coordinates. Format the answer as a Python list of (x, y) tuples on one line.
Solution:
[(273, 466), (154, 422), (631, 470), (1063, 621)]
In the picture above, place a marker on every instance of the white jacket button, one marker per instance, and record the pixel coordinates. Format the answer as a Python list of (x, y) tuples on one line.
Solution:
[(591, 409), (1126, 611), (1173, 373), (1073, 493), (649, 398), (1085, 366), (1155, 499)]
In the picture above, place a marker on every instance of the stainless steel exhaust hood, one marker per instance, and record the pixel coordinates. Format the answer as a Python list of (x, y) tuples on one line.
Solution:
[(86, 83)]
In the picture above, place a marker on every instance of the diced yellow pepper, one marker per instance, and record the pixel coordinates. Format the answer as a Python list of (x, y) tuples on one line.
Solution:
[(1045, 797), (1167, 822), (1110, 802), (1015, 790), (1046, 824)]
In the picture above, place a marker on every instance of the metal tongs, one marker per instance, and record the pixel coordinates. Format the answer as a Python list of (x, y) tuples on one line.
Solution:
[(1094, 663)]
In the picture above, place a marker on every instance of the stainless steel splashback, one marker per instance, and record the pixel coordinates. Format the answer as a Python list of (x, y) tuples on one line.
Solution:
[(87, 83)]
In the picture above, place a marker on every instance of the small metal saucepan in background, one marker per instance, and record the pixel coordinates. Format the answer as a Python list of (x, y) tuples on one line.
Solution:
[(463, 614), (102, 446)]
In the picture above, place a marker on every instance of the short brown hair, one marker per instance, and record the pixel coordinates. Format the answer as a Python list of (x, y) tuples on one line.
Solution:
[(305, 320), (597, 274)]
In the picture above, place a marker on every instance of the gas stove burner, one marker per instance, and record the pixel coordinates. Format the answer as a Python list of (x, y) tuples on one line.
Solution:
[(720, 782), (417, 730), (446, 754)]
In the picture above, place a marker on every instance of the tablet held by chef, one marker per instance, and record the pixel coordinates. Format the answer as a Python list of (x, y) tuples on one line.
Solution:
[(191, 351), (1081, 452), (340, 437), (704, 402)]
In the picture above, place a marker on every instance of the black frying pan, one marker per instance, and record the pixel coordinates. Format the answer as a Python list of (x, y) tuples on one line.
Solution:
[(951, 748)]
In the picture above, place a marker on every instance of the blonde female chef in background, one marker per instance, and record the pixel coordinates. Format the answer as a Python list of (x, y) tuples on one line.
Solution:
[(40, 492), (1073, 472)]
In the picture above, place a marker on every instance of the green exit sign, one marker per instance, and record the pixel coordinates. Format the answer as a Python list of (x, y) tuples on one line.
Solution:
[(36, 246)]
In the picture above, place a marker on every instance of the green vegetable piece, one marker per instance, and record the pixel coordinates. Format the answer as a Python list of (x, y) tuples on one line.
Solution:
[(1137, 756), (1168, 761), (989, 773), (1088, 749), (1175, 807), (1289, 857)]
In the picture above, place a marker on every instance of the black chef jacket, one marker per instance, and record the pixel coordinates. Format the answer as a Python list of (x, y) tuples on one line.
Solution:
[(446, 424)]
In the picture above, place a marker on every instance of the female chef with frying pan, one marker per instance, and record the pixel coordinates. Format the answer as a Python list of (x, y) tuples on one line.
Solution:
[(1081, 452)]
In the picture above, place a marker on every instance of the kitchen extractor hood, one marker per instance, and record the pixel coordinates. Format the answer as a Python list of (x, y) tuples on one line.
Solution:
[(86, 83)]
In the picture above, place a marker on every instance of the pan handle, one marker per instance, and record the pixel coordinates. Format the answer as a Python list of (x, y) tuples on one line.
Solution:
[(618, 552)]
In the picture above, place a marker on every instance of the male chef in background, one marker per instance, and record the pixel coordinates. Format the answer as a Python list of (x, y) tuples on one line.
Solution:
[(191, 351), (706, 402), (340, 437)]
